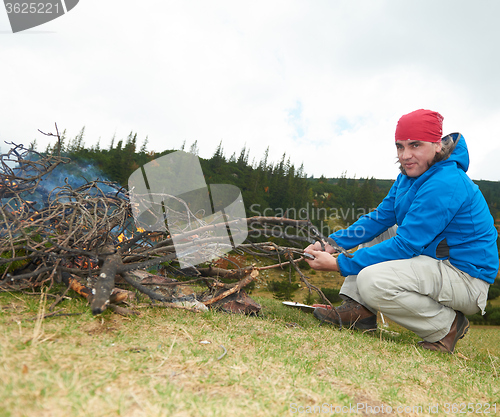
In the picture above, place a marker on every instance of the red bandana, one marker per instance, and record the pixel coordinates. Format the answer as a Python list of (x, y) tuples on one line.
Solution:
[(424, 125)]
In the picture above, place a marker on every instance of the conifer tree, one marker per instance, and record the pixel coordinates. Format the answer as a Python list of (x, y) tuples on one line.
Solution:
[(194, 148), (144, 145)]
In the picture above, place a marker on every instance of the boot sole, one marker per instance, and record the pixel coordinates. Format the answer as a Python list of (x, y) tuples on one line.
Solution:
[(461, 332)]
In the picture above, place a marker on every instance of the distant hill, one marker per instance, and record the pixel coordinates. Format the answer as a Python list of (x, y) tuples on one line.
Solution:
[(275, 188)]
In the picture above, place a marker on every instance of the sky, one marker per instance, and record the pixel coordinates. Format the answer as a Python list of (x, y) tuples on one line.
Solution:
[(323, 82)]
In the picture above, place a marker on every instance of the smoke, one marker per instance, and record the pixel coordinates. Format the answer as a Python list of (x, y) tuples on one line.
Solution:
[(67, 177)]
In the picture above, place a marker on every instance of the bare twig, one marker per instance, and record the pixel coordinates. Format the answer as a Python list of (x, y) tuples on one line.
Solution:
[(223, 353), (243, 283)]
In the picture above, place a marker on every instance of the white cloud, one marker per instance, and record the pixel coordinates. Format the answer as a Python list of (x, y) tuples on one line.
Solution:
[(323, 81)]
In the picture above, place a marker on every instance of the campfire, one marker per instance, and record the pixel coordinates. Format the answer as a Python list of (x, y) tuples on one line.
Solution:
[(85, 237)]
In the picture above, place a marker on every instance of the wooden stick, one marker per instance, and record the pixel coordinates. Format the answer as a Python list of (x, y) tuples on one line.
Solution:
[(244, 282), (106, 281)]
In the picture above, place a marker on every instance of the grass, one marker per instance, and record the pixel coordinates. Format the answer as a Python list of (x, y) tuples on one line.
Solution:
[(177, 363)]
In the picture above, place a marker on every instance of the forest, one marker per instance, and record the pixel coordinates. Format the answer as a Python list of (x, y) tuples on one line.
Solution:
[(273, 188)]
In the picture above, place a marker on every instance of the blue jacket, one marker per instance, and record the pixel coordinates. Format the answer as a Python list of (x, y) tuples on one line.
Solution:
[(441, 214)]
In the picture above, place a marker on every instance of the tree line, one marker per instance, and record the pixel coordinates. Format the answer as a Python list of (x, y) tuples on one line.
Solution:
[(267, 187)]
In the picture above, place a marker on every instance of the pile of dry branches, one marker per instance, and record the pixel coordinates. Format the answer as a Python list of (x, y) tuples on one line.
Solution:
[(87, 238)]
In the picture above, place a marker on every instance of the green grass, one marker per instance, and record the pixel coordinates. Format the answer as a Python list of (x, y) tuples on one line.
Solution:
[(271, 365)]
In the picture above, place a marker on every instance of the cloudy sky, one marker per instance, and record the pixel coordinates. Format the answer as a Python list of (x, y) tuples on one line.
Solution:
[(323, 81)]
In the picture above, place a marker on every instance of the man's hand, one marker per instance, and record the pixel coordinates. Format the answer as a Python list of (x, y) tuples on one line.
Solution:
[(323, 261), (317, 247)]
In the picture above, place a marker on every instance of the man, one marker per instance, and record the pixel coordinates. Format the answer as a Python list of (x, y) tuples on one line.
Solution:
[(429, 252)]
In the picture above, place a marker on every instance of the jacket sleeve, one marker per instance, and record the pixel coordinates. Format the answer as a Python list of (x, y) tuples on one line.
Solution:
[(432, 208), (370, 225)]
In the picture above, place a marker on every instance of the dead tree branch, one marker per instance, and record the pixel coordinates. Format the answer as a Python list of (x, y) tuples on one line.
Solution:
[(243, 283)]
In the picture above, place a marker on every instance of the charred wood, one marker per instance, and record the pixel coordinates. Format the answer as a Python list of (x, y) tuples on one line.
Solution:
[(105, 282)]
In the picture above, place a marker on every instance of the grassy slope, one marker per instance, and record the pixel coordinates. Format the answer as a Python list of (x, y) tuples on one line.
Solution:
[(155, 365)]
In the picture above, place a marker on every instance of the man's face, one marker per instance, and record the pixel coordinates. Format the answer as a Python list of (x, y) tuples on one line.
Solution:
[(416, 156)]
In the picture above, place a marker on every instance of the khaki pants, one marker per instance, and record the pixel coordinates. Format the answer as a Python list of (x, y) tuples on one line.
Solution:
[(420, 293)]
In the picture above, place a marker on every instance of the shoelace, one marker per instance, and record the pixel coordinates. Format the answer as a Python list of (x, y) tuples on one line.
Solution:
[(323, 319)]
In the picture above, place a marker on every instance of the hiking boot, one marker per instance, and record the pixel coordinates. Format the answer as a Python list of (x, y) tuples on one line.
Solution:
[(459, 328), (351, 313)]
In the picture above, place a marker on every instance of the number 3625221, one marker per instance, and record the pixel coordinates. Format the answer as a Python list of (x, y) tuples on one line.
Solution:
[(32, 8)]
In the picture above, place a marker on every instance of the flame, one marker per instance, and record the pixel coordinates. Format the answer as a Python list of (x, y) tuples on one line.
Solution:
[(85, 264)]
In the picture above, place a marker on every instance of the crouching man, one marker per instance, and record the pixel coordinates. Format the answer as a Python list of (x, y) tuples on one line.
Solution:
[(428, 252)]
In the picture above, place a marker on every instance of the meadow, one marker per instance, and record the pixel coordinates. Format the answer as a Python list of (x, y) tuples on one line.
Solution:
[(172, 362)]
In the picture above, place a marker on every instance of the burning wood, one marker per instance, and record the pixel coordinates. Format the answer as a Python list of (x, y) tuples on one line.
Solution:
[(88, 233)]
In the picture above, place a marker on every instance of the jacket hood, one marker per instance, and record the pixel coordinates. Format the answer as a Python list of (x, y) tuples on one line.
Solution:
[(460, 154)]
